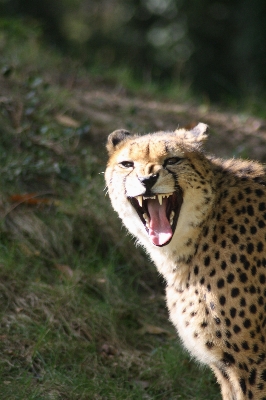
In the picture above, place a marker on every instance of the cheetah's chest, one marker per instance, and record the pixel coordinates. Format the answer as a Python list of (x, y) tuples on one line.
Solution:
[(195, 321)]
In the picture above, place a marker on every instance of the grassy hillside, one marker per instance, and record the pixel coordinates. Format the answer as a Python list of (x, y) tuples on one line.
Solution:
[(82, 311)]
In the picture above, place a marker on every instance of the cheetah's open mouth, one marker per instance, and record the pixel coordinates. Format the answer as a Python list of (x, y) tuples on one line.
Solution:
[(159, 214)]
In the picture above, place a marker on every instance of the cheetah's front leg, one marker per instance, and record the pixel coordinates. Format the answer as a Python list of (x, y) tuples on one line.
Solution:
[(230, 387)]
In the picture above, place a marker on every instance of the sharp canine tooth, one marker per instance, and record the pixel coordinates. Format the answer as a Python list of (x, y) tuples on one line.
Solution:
[(160, 198), (140, 200)]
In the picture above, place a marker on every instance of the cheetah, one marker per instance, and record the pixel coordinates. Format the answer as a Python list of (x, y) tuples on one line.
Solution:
[(202, 220)]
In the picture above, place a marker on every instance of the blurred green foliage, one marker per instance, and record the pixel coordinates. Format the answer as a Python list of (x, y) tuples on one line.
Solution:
[(218, 46)]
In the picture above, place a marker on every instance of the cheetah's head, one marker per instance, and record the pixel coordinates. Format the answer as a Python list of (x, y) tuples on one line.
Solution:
[(149, 176)]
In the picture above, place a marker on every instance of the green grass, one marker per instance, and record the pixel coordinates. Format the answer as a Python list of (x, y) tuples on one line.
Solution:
[(78, 302)]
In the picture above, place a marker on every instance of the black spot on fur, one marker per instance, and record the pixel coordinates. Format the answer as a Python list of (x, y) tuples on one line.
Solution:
[(253, 230), (235, 292), (233, 312), (228, 334), (228, 359), (243, 386), (228, 345), (205, 231), (207, 261), (214, 238), (255, 348), (223, 265), (247, 323), (222, 229), (235, 239), (262, 207), (252, 376), (243, 302), (220, 283), (250, 395), (253, 309), (259, 192), (245, 345), (233, 258), (236, 348), (260, 247), (244, 261), (263, 375), (243, 277), (250, 248), (252, 289), (236, 329), (242, 229), (227, 322), (230, 278), (261, 224), (261, 301), (202, 281), (205, 247), (250, 210), (222, 300)]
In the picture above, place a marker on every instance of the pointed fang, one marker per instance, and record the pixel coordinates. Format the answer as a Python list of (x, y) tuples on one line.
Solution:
[(139, 198), (160, 199)]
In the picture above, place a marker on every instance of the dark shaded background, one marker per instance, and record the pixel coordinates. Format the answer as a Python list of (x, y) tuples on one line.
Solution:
[(218, 47)]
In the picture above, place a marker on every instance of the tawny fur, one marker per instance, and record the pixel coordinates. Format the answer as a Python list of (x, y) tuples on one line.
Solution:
[(215, 263)]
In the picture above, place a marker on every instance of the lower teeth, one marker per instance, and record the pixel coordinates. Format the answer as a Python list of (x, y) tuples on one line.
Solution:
[(147, 220), (172, 217)]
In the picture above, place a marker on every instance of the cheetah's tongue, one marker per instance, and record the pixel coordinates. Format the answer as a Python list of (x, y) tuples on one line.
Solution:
[(160, 230)]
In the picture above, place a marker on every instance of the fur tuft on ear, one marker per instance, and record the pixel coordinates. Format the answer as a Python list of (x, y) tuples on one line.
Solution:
[(115, 138)]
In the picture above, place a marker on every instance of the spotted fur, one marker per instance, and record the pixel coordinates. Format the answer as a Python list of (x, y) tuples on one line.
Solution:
[(215, 263)]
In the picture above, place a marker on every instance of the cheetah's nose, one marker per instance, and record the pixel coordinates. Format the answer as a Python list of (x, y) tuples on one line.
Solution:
[(148, 181)]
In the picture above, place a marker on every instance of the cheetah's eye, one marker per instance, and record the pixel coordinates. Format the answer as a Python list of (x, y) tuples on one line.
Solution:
[(126, 164), (172, 161)]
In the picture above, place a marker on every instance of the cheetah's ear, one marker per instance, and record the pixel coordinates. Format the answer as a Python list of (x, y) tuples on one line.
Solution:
[(115, 138), (200, 132), (195, 136)]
